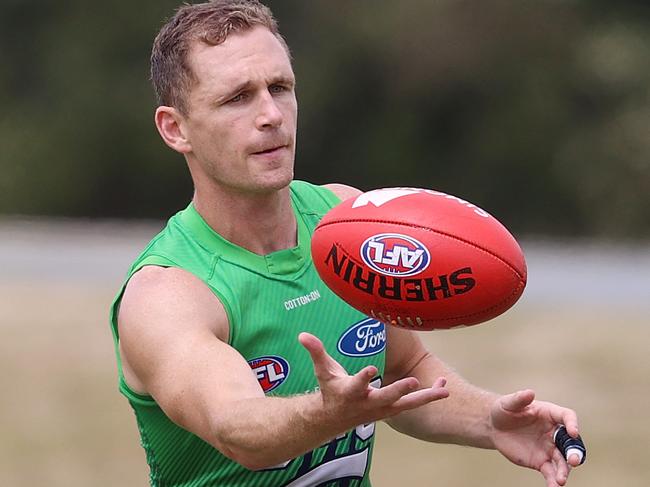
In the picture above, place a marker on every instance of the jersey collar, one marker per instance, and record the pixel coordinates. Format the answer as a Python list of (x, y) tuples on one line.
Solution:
[(280, 263)]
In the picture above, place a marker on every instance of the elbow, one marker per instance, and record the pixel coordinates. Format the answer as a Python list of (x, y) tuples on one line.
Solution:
[(248, 460), (249, 455), (251, 463), (232, 439)]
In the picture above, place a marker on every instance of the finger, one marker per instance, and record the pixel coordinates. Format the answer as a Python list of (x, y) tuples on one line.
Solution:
[(398, 390), (393, 392), (363, 378), (417, 398), (548, 471), (561, 466), (440, 382), (324, 366), (420, 398), (572, 449), (574, 460), (567, 417), (518, 401), (309, 341), (409, 398)]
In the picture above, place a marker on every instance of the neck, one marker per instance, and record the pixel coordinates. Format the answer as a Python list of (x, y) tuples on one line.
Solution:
[(260, 223)]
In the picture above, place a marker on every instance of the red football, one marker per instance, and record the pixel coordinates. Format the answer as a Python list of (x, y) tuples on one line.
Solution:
[(419, 259)]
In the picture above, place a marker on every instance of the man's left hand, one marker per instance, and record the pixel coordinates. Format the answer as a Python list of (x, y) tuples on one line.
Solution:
[(523, 432)]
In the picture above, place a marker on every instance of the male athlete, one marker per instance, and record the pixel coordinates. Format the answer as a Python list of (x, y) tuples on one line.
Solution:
[(242, 368)]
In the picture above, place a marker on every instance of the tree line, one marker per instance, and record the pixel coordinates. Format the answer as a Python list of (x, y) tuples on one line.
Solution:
[(538, 111)]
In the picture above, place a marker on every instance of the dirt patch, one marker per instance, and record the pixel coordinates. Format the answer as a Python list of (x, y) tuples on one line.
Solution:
[(63, 423)]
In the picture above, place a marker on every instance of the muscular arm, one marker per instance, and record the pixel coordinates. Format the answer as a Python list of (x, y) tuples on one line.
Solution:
[(463, 418), (173, 344), (517, 425)]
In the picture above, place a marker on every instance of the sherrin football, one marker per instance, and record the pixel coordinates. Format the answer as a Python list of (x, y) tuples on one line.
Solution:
[(419, 259)]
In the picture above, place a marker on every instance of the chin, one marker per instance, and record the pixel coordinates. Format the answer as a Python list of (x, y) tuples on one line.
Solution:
[(280, 182), (273, 181)]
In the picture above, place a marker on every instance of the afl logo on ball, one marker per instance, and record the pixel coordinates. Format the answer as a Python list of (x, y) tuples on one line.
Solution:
[(393, 254), (271, 371)]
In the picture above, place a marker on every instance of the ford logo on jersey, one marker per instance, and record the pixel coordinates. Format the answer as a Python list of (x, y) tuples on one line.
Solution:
[(365, 338), (394, 254), (271, 371)]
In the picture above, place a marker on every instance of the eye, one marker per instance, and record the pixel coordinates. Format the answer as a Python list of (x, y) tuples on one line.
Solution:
[(238, 98), (274, 89)]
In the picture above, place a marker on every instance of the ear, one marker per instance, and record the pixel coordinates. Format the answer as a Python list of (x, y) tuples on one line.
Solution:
[(171, 127)]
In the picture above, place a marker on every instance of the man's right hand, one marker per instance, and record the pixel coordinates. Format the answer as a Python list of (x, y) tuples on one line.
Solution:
[(174, 346), (352, 398)]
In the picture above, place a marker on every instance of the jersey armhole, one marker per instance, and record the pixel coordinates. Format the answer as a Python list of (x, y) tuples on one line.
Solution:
[(329, 196), (160, 261), (303, 191)]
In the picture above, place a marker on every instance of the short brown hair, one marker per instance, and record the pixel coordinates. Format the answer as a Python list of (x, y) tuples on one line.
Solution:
[(211, 23)]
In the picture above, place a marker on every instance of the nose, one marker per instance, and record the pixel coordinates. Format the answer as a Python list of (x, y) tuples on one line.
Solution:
[(269, 114)]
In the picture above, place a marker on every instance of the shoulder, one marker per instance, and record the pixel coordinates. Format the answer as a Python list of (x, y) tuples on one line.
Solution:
[(153, 279), (343, 191), (164, 310), (162, 296), (317, 199)]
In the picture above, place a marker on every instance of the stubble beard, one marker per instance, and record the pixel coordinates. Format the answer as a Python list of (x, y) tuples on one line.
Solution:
[(255, 181)]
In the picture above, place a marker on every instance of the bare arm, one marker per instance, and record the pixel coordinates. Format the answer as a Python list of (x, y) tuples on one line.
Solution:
[(343, 191), (173, 334), (461, 419), (516, 425)]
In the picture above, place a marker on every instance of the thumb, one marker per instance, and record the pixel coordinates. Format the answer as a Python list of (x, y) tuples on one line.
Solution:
[(311, 343), (324, 366), (517, 401)]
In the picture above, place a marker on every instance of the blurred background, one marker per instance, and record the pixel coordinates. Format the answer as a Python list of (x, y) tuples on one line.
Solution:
[(536, 110)]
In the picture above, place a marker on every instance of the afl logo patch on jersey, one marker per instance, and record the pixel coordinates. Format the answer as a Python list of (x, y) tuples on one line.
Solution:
[(271, 371), (394, 254), (365, 338)]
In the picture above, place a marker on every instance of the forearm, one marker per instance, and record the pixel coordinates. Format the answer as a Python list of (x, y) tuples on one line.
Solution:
[(267, 431), (463, 418)]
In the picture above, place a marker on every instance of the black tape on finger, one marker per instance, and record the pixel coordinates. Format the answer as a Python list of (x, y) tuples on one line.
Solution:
[(569, 445)]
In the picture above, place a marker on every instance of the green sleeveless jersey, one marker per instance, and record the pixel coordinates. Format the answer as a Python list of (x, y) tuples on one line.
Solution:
[(269, 300)]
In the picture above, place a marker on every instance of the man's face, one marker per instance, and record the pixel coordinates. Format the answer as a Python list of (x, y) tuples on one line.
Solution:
[(241, 122)]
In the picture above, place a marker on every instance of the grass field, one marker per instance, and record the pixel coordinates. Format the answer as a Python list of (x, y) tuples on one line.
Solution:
[(63, 423), (595, 361)]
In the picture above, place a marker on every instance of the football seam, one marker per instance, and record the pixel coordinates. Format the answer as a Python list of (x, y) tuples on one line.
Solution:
[(513, 294), (445, 234)]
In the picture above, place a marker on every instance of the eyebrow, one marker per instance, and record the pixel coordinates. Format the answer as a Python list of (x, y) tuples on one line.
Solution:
[(243, 86)]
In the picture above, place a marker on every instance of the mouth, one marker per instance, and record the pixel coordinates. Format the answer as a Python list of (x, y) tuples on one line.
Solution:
[(270, 150)]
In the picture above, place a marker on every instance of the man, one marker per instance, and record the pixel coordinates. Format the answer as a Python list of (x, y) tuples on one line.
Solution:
[(208, 323)]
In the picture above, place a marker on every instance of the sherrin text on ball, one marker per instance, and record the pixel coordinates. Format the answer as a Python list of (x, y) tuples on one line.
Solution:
[(419, 259)]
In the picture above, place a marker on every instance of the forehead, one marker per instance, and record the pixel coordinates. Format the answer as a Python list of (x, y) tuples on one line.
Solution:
[(252, 55)]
